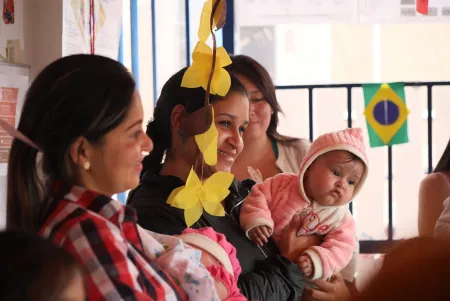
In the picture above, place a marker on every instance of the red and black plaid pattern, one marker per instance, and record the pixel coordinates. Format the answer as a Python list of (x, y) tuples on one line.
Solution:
[(102, 235)]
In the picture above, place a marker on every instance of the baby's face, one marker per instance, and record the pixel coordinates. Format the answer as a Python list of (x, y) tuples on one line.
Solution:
[(331, 179)]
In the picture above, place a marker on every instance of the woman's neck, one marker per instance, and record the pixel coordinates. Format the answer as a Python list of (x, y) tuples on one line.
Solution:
[(175, 167), (255, 148), (181, 169)]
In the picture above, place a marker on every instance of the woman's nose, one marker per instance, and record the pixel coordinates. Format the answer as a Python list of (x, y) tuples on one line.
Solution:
[(148, 144)]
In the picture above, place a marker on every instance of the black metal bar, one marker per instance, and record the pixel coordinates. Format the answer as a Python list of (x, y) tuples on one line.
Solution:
[(407, 84), (390, 195), (228, 29), (430, 127), (188, 35), (376, 246), (349, 122), (310, 106)]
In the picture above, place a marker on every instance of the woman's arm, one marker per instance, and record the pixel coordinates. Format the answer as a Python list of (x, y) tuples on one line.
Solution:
[(155, 215), (277, 277), (434, 189), (111, 274)]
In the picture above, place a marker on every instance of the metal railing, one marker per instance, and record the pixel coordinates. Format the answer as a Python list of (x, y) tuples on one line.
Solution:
[(375, 246)]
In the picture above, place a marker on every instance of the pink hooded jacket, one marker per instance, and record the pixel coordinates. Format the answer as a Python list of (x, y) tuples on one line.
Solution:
[(274, 202)]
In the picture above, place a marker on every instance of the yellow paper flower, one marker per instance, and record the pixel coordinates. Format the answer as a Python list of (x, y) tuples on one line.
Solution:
[(197, 75), (207, 143), (205, 30), (195, 196)]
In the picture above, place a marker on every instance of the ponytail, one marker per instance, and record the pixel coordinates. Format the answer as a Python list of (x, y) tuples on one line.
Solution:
[(25, 189), (160, 134)]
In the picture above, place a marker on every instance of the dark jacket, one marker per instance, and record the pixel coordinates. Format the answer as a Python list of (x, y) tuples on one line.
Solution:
[(266, 275)]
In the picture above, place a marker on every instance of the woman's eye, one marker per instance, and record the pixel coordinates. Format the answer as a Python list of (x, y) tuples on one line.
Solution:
[(136, 134), (225, 123)]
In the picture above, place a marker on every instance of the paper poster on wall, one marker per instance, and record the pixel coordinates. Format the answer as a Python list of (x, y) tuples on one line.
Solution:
[(13, 85), (273, 12), (76, 27), (8, 11), (11, 26), (12, 92), (402, 11)]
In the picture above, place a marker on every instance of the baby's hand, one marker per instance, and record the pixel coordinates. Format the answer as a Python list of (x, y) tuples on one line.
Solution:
[(305, 264), (260, 234)]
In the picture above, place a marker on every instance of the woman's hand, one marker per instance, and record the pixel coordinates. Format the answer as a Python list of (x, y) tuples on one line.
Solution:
[(255, 174), (334, 290), (292, 246)]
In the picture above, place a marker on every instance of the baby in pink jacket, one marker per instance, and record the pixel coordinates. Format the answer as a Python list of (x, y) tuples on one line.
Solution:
[(331, 174)]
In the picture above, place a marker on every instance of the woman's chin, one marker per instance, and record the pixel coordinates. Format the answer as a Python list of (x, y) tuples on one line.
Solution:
[(223, 166)]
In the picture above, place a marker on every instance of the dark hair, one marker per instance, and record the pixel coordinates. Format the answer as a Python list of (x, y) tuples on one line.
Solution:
[(444, 162), (172, 94), (258, 75), (33, 268), (75, 96)]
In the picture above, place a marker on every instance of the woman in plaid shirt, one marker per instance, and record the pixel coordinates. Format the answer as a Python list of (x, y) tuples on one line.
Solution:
[(83, 118)]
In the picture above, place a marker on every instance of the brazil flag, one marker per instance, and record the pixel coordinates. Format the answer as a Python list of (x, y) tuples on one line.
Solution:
[(386, 113)]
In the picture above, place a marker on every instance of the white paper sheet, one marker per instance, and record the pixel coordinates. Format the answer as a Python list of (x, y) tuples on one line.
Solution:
[(402, 11), (273, 12), (76, 37)]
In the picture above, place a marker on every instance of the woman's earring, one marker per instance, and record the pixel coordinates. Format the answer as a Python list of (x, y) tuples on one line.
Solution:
[(87, 165)]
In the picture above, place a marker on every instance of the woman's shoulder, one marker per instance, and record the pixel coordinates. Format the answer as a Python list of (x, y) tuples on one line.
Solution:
[(291, 152), (435, 180), (293, 143), (152, 190)]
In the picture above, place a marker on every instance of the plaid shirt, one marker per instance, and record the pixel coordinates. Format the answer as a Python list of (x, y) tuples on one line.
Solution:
[(121, 260)]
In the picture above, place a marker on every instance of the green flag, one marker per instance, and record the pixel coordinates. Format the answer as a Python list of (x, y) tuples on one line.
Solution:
[(386, 113)]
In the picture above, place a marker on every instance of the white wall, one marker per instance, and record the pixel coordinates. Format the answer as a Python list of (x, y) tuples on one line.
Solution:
[(42, 33)]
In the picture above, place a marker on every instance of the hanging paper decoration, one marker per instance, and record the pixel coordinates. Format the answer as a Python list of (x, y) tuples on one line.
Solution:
[(386, 113), (207, 143), (92, 26), (196, 196), (422, 6), (197, 75), (8, 11), (207, 72), (204, 29)]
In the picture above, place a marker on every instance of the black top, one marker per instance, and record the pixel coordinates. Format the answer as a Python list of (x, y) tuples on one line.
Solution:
[(266, 275)]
